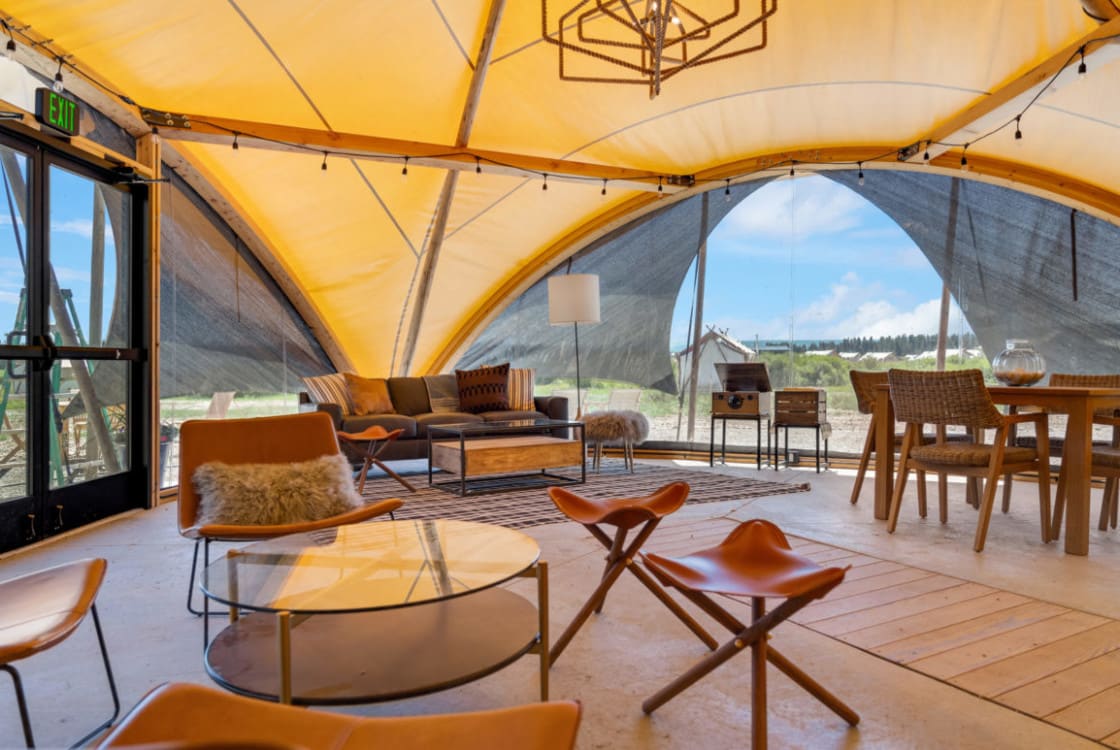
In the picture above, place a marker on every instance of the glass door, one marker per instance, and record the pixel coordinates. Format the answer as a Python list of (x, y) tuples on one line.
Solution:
[(73, 415)]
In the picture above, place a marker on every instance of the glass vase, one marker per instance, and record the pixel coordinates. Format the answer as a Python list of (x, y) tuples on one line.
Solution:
[(1019, 364)]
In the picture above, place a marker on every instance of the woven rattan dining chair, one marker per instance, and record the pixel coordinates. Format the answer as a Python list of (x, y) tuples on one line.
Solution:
[(864, 384), (959, 398)]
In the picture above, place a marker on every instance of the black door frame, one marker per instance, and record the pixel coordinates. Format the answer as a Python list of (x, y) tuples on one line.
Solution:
[(45, 512)]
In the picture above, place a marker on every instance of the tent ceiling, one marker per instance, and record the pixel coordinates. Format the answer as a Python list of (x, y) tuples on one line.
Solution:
[(857, 76)]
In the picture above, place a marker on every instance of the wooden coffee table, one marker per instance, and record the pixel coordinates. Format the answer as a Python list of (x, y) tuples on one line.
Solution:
[(498, 456)]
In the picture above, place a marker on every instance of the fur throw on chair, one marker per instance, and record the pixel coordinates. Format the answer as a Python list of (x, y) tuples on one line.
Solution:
[(616, 427)]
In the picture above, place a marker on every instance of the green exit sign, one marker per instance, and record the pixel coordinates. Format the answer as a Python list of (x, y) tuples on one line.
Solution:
[(57, 110)]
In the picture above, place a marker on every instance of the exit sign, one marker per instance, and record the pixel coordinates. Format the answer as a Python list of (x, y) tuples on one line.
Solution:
[(57, 110)]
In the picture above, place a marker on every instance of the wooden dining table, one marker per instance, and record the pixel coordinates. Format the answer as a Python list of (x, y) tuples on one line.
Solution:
[(1077, 403)]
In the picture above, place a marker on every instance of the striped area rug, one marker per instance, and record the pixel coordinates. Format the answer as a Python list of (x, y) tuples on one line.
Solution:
[(1057, 664), (523, 508)]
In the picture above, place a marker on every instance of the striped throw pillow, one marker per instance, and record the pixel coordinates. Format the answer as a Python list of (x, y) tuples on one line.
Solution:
[(330, 389), (520, 389)]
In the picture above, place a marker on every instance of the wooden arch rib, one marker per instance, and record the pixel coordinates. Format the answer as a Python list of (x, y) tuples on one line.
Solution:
[(1060, 188)]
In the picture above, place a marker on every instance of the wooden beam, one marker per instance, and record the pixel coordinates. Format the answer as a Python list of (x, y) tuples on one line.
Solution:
[(1008, 100), (221, 131), (430, 258)]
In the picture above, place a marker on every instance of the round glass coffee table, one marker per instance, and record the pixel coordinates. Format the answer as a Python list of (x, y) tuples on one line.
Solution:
[(375, 611)]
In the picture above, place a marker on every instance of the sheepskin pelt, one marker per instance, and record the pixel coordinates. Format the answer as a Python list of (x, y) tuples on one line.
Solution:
[(265, 494), (616, 427)]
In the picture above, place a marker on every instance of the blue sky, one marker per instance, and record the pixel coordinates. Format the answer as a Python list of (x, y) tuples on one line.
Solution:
[(813, 253)]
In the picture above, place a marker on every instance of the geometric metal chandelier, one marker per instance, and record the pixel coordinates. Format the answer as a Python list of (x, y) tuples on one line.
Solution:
[(651, 40)]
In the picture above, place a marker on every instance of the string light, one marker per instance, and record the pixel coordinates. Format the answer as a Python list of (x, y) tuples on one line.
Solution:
[(544, 185), (324, 166), (235, 146), (404, 169), (604, 190), (861, 174), (964, 159), (58, 86), (727, 191), (1082, 69), (1018, 132), (925, 156), (659, 188), (477, 165)]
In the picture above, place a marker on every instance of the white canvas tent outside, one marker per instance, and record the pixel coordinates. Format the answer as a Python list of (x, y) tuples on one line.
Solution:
[(715, 346)]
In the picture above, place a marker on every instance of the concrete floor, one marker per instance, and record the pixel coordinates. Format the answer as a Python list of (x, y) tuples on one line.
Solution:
[(628, 652)]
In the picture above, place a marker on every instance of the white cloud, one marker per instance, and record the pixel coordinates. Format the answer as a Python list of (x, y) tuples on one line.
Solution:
[(80, 227), (797, 208), (850, 308), (65, 273)]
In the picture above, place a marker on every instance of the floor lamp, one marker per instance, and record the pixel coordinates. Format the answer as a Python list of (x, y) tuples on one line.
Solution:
[(574, 298)]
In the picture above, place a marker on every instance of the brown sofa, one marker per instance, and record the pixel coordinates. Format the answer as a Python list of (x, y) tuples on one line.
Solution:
[(413, 414)]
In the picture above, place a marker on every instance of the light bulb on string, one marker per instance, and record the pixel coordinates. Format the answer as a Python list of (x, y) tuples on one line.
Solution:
[(235, 146), (860, 180), (544, 185), (324, 165), (604, 190), (10, 48), (727, 191), (1082, 69), (1018, 132), (477, 165), (58, 85), (660, 194), (925, 156), (964, 159), (404, 169)]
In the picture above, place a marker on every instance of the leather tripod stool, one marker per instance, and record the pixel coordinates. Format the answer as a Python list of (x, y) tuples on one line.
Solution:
[(624, 514), (754, 561)]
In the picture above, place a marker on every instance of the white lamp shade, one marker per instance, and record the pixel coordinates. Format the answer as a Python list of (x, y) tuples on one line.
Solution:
[(573, 298)]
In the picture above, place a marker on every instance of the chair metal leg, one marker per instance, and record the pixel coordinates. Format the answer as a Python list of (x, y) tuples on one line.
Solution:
[(21, 699), (109, 674), (194, 575)]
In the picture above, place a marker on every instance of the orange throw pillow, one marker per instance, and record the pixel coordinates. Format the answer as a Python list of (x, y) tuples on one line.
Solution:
[(369, 395)]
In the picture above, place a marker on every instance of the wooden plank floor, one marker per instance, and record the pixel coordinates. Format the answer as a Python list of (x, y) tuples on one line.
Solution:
[(1058, 664)]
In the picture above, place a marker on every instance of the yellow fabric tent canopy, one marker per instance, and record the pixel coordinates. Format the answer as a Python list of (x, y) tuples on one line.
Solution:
[(839, 81)]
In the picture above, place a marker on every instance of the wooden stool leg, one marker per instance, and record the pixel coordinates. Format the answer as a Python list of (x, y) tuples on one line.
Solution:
[(758, 680)]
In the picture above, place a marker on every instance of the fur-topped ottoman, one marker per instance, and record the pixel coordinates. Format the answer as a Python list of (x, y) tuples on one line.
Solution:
[(625, 428)]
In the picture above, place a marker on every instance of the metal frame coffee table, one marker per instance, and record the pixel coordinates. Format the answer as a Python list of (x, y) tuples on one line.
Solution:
[(375, 611), (509, 455)]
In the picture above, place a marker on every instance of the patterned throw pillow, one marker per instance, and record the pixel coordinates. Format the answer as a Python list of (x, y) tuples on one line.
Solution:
[(330, 389), (443, 392), (483, 389), (521, 388), (369, 395)]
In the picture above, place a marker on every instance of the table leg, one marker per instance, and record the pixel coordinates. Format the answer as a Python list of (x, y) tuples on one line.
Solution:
[(758, 443), (1076, 459), (884, 453), (284, 643), (542, 611)]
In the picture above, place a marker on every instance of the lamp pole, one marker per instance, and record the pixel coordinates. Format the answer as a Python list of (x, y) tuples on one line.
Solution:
[(574, 298)]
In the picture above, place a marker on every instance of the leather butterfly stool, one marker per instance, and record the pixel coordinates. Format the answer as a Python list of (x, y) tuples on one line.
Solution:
[(754, 561), (625, 514)]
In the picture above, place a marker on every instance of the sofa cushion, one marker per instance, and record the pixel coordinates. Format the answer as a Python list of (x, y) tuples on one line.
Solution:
[(484, 388), (330, 389), (443, 392), (410, 395), (369, 395), (267, 494), (521, 388)]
